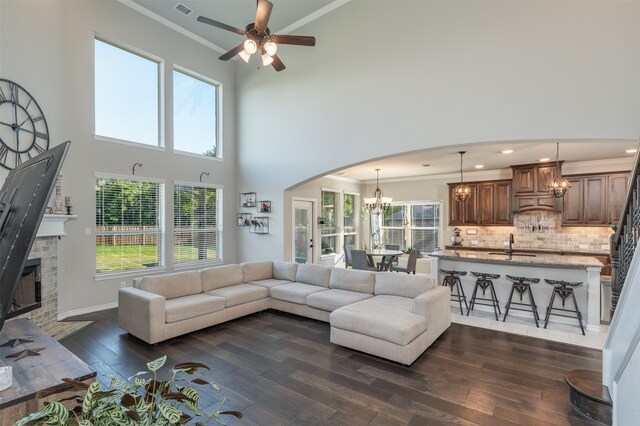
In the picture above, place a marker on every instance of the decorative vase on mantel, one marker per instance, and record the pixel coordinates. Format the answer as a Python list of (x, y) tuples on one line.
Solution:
[(58, 195)]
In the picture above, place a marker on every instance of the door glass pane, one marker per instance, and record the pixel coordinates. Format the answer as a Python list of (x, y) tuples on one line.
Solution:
[(302, 235)]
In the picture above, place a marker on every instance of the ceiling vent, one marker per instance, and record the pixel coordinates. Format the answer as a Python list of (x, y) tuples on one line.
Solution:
[(182, 8)]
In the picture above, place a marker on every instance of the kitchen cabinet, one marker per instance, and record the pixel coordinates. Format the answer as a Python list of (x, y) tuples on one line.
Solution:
[(594, 199), (489, 204), (529, 192)]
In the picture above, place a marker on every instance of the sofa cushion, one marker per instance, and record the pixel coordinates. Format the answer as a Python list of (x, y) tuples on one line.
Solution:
[(396, 284), (353, 280), (253, 271), (241, 293), (221, 276), (186, 307), (382, 317), (309, 273), (175, 285), (333, 299), (295, 292), (284, 270), (271, 282)]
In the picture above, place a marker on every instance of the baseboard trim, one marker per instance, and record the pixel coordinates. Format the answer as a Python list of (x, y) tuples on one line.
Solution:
[(89, 310)]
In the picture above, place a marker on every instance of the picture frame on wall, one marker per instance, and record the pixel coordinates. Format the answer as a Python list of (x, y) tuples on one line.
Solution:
[(264, 206), (247, 199), (244, 219), (259, 225)]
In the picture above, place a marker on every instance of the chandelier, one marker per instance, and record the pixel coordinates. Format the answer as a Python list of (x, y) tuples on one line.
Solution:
[(378, 204), (461, 192), (557, 186)]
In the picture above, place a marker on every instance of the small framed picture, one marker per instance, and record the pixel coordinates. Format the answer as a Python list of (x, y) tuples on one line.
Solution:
[(247, 199), (259, 225), (264, 206), (244, 219)]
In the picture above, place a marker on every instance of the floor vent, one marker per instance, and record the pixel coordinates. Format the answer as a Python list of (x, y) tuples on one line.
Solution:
[(182, 8)]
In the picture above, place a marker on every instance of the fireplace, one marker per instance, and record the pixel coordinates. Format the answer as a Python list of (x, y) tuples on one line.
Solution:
[(28, 295)]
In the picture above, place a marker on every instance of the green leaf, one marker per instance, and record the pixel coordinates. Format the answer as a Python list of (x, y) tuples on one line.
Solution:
[(169, 412), (140, 382), (190, 367), (85, 422), (193, 396), (87, 403), (56, 409), (155, 365), (33, 418)]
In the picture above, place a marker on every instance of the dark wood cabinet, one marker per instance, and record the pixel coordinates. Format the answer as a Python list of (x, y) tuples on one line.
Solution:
[(489, 204), (594, 199), (529, 182)]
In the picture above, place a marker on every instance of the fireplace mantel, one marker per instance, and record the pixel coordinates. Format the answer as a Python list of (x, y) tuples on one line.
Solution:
[(53, 225)]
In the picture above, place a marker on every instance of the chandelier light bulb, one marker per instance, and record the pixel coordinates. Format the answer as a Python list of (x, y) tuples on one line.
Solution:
[(250, 46), (557, 186), (266, 59), (377, 204), (245, 56), (271, 48)]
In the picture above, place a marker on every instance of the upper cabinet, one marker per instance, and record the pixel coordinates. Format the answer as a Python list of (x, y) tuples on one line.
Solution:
[(529, 182), (594, 200), (489, 204)]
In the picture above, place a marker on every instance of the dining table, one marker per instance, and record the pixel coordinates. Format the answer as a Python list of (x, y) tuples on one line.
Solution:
[(388, 258)]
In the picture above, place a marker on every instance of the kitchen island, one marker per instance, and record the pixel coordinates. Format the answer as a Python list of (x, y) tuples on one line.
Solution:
[(568, 268)]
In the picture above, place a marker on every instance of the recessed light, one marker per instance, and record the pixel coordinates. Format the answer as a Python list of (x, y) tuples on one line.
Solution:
[(631, 151), (506, 151), (543, 160), (426, 165), (479, 166)]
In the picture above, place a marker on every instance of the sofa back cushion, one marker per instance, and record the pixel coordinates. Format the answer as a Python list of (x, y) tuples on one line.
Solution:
[(352, 279), (284, 270), (308, 273), (405, 285), (175, 285), (255, 271), (221, 276)]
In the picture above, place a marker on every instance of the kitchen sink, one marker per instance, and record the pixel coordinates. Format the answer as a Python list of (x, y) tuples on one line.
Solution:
[(512, 254)]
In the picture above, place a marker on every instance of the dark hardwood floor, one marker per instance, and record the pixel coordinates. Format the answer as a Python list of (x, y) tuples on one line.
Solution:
[(280, 369)]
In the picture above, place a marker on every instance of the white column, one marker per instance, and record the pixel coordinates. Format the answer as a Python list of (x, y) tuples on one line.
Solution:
[(593, 298)]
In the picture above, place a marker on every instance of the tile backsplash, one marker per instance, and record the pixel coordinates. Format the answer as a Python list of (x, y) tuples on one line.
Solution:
[(538, 230)]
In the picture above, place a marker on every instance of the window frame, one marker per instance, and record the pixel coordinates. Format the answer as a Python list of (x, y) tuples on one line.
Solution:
[(99, 276), (160, 146), (219, 228), (337, 209), (219, 118), (407, 230), (356, 218)]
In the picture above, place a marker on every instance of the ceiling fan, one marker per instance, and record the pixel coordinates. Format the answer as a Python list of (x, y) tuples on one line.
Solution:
[(259, 37)]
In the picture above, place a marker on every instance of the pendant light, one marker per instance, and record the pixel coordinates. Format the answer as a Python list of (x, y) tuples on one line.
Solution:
[(461, 192), (378, 204), (557, 186)]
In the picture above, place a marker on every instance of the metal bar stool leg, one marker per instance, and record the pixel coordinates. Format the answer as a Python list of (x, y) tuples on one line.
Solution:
[(472, 302), (546, 318), (534, 308), (575, 303), (506, 311), (494, 300)]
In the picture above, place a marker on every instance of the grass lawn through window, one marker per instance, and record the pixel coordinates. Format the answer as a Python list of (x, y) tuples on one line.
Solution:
[(131, 257)]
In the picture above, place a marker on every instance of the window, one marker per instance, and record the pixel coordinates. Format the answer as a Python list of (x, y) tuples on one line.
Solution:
[(127, 95), (350, 219), (414, 225), (329, 230), (129, 224), (195, 115), (197, 224)]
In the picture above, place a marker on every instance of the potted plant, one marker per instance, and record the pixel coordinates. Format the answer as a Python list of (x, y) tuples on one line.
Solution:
[(136, 401)]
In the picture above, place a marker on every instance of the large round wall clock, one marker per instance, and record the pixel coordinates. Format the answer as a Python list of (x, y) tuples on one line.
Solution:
[(23, 129)]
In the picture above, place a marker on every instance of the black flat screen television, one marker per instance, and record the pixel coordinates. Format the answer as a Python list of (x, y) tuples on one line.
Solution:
[(23, 200)]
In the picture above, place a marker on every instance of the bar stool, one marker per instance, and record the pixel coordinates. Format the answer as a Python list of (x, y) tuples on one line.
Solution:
[(452, 279), (564, 289), (522, 285), (484, 281)]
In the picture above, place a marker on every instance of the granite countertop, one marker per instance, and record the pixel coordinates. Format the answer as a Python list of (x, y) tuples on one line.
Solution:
[(581, 252), (537, 260)]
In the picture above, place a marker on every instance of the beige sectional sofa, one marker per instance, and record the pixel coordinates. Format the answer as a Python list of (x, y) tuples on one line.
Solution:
[(390, 315)]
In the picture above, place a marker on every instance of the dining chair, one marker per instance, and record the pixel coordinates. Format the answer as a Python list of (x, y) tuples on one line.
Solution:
[(359, 261), (392, 246), (384, 265), (411, 263), (347, 255)]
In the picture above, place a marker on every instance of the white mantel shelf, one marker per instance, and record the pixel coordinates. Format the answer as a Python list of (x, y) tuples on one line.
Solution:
[(52, 225)]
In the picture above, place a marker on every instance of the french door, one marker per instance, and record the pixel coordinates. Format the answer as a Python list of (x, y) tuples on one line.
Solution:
[(302, 243)]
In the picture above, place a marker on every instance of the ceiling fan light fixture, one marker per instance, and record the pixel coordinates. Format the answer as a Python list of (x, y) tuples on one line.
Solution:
[(266, 59), (245, 56), (271, 47), (250, 46)]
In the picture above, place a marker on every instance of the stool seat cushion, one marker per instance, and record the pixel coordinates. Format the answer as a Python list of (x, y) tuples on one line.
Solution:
[(485, 275), (563, 283), (448, 272), (523, 279), (389, 318)]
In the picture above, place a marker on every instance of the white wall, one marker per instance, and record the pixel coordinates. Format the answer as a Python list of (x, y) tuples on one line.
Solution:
[(391, 77), (50, 53)]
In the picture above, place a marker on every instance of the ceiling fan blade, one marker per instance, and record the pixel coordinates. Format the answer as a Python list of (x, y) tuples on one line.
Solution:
[(277, 63), (294, 39), (263, 12), (217, 24), (233, 52)]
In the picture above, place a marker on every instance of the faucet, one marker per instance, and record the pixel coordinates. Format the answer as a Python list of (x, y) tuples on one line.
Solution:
[(510, 249)]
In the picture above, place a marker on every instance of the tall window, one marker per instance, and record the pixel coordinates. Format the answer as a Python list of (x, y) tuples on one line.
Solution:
[(329, 229), (129, 224), (127, 95), (197, 224), (195, 115), (413, 225), (350, 219)]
